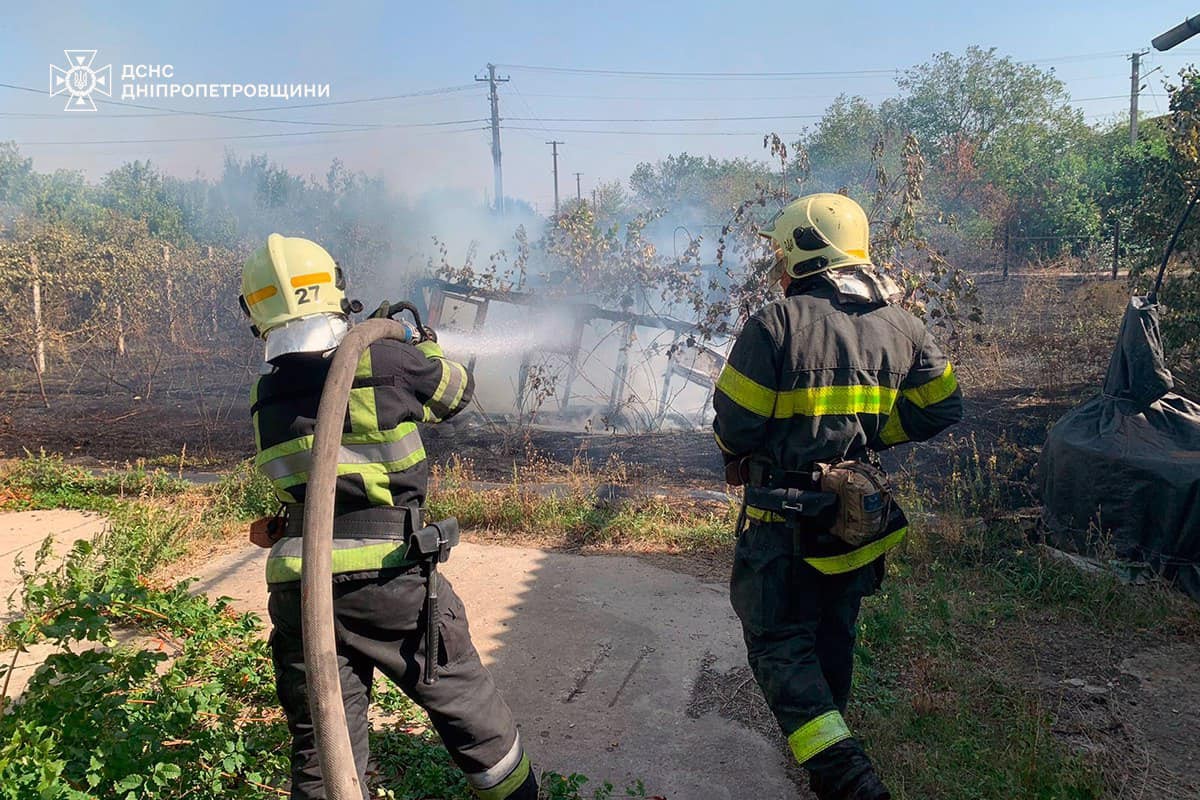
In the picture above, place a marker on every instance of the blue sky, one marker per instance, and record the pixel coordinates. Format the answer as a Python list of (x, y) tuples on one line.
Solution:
[(375, 49)]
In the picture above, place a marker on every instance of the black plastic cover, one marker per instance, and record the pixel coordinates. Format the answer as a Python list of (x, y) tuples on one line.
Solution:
[(1120, 474)]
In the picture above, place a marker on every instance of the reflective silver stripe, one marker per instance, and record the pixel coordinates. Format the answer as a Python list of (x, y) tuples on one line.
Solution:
[(454, 387), (290, 464), (454, 378), (382, 452), (293, 546), (504, 767), (375, 453)]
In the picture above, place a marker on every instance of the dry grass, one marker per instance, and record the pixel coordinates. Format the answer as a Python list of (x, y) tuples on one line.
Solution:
[(580, 508), (1044, 331)]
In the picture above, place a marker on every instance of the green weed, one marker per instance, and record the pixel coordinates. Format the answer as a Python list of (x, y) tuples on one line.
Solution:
[(243, 493), (154, 693), (157, 693), (46, 481)]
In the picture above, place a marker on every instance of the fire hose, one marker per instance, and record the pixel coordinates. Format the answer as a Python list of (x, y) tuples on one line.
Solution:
[(334, 753)]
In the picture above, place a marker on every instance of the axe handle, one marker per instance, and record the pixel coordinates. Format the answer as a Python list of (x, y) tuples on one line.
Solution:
[(431, 623)]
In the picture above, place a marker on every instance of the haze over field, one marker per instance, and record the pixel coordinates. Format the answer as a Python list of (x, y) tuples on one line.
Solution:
[(633, 84)]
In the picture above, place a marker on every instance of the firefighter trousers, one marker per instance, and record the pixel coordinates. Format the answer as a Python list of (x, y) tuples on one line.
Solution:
[(379, 623), (799, 627)]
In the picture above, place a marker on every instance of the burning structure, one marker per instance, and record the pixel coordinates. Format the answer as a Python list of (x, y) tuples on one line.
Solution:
[(572, 363)]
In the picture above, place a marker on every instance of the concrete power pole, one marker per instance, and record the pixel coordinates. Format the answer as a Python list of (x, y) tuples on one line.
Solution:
[(554, 152), (39, 334), (1135, 89), (492, 80), (578, 192)]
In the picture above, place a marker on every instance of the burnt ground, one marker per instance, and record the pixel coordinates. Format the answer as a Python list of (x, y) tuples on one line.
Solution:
[(94, 426), (97, 424), (1131, 702)]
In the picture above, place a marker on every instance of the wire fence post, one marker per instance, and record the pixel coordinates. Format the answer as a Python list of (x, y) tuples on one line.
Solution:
[(1007, 236), (1116, 247)]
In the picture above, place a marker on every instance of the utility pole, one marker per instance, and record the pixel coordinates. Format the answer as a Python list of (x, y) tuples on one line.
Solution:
[(1135, 89), (492, 80), (578, 193), (554, 152)]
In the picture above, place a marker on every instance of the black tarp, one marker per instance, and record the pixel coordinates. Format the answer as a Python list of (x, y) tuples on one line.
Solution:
[(1120, 474)]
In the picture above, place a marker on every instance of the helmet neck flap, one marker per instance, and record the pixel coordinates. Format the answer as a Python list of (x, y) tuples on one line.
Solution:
[(318, 333)]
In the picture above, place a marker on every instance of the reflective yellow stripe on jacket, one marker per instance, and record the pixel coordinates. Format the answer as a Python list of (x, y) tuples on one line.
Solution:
[(860, 557), (349, 555), (811, 401), (371, 454), (927, 394), (935, 391), (843, 562)]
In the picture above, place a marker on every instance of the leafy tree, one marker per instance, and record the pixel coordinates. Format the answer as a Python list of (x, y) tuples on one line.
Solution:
[(976, 96), (16, 175), (839, 148), (708, 187), (137, 190)]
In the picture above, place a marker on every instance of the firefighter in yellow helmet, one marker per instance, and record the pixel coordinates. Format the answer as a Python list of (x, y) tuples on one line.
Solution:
[(294, 294), (816, 383)]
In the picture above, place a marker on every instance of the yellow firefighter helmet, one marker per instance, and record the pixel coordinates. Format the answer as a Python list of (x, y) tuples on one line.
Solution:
[(819, 232), (292, 290)]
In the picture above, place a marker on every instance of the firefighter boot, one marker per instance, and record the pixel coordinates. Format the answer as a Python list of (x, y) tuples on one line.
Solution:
[(862, 785), (867, 787)]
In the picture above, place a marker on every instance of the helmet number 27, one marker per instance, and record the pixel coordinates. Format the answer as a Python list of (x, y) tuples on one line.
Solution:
[(307, 294)]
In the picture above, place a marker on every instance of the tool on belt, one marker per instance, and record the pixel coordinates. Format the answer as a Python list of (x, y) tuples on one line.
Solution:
[(791, 495), (432, 545), (853, 497)]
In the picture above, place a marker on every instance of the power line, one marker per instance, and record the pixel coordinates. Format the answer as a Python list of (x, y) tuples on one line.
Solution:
[(56, 115), (235, 113), (528, 108), (257, 135), (1111, 97), (636, 133), (858, 73), (862, 73), (726, 98), (668, 119), (1075, 58)]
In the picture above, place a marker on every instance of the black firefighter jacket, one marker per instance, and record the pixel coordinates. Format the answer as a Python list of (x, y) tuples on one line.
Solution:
[(812, 379)]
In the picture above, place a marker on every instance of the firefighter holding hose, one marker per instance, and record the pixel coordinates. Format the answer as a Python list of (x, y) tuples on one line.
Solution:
[(294, 294), (815, 384)]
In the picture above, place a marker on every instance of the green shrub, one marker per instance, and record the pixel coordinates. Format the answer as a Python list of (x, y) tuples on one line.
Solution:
[(245, 493)]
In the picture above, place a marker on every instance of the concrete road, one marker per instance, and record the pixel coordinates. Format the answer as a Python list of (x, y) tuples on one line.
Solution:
[(21, 536), (598, 657)]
